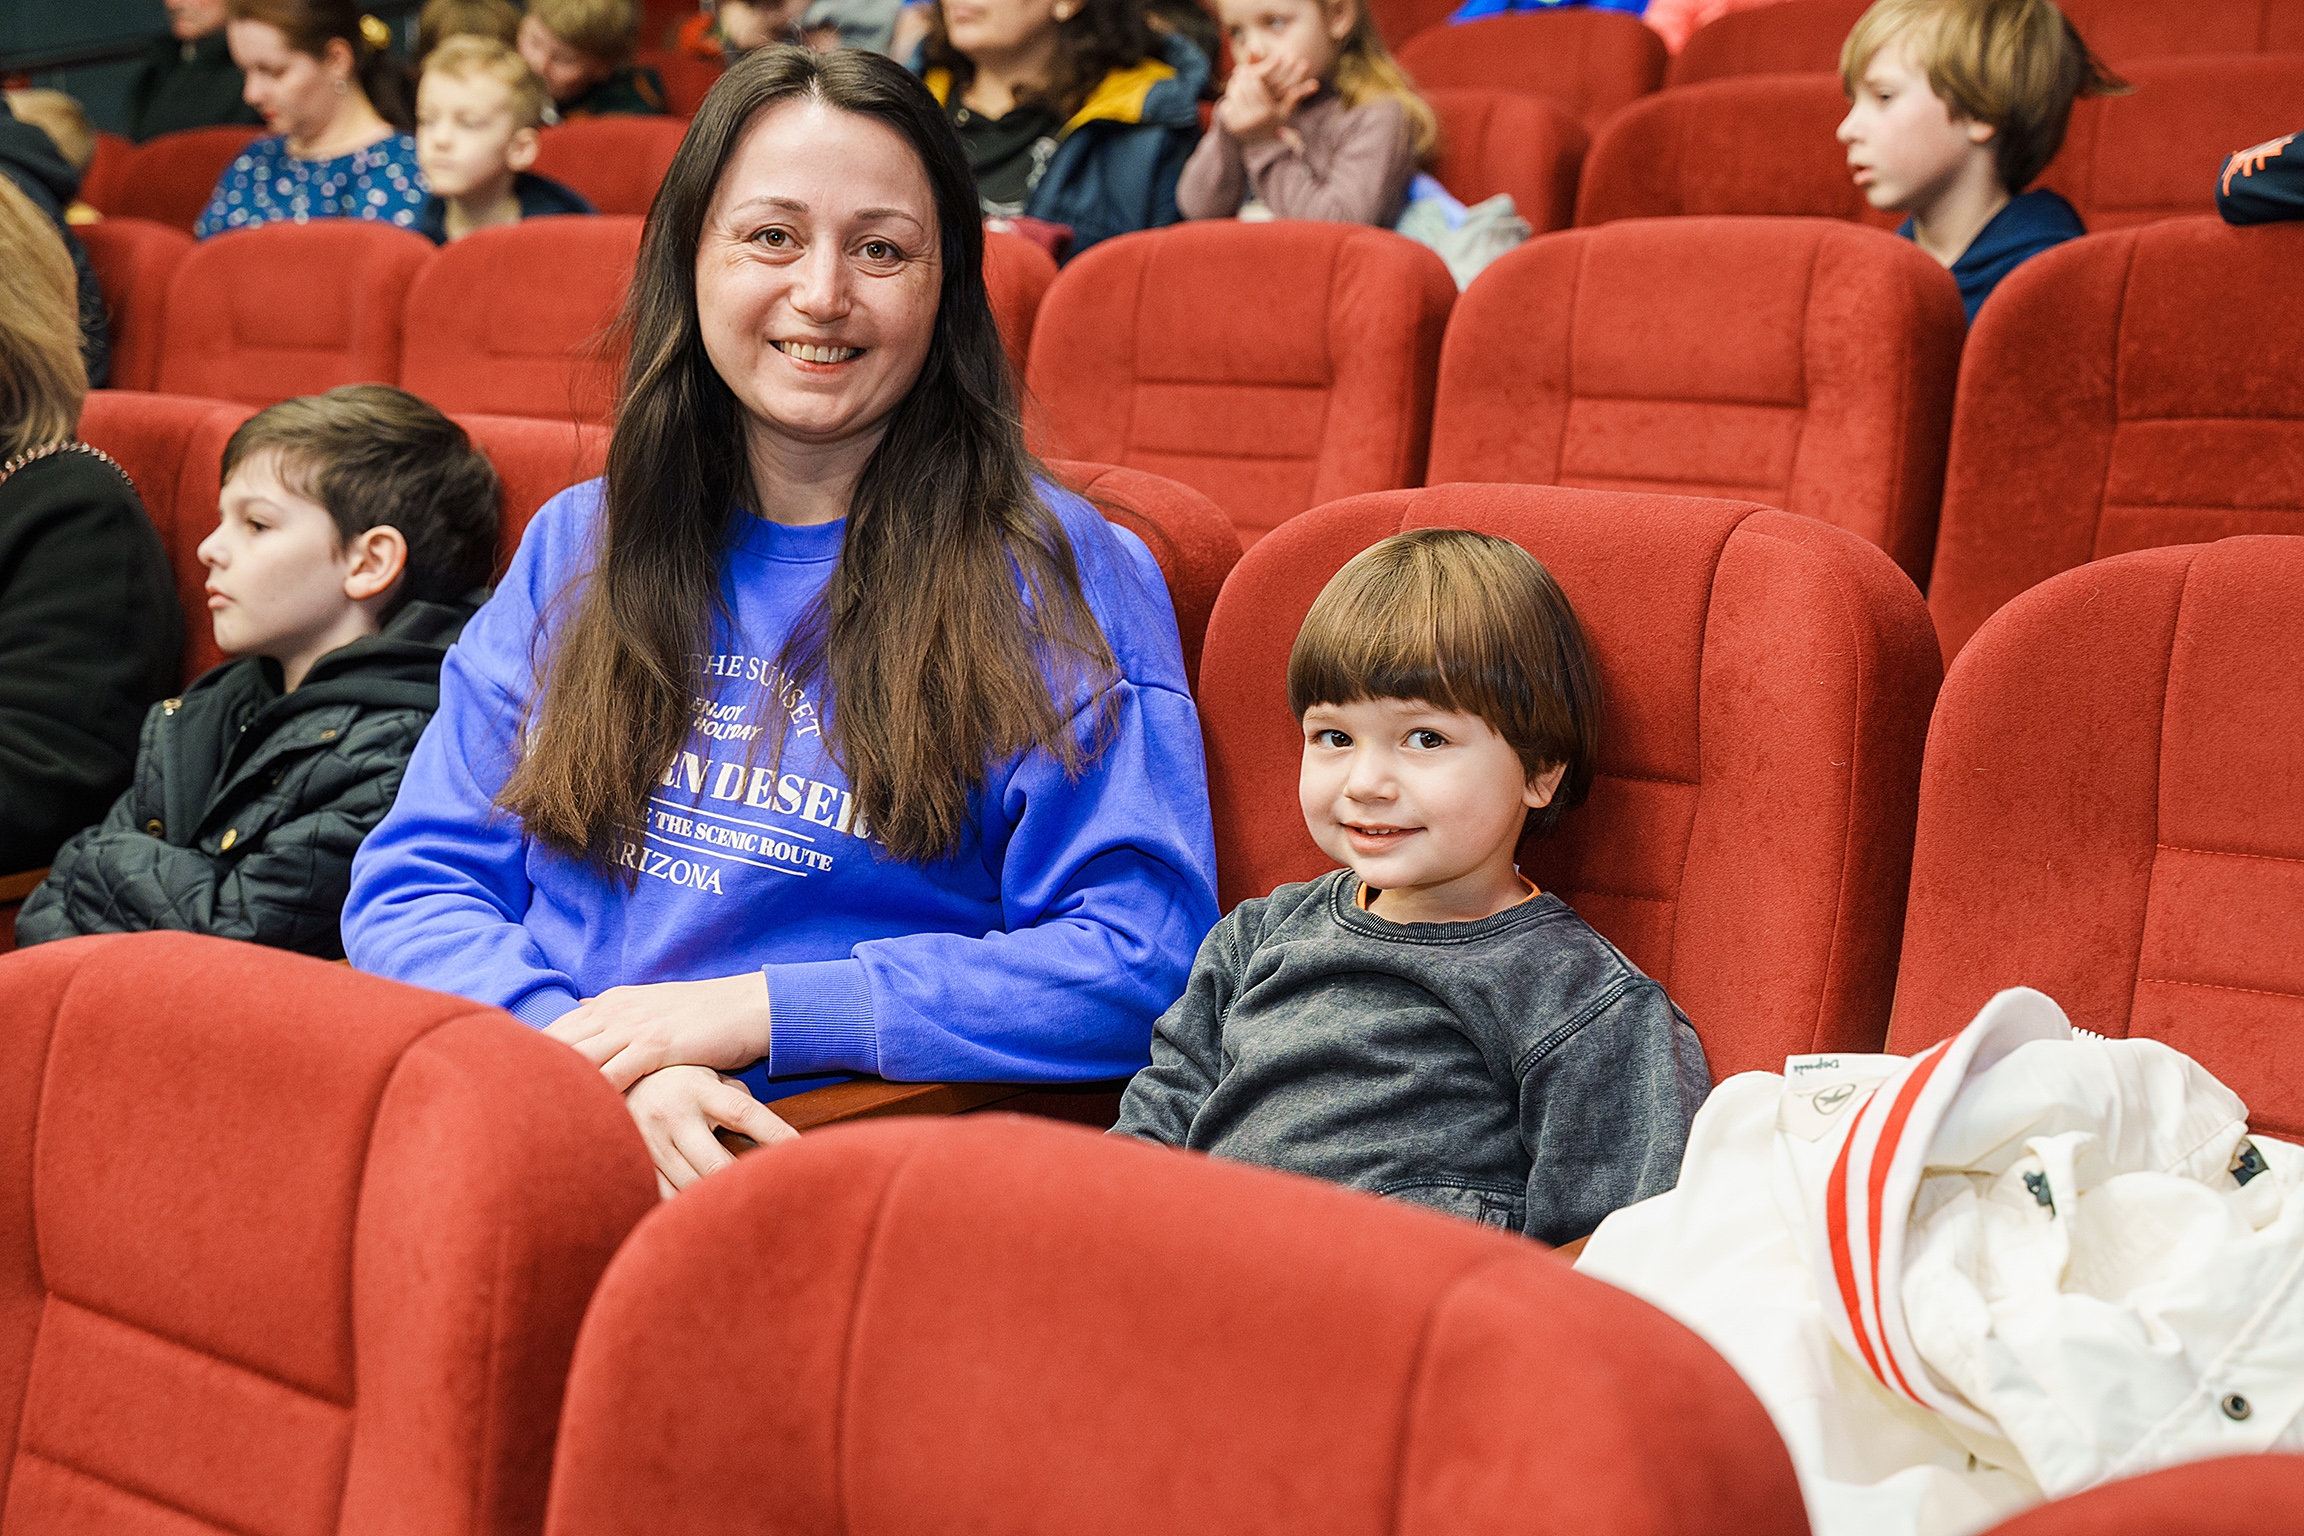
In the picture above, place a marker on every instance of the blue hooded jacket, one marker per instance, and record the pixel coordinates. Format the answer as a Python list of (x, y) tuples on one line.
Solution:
[(1117, 158)]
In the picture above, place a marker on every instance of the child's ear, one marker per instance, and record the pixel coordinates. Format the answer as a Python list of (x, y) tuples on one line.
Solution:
[(1543, 786), (1980, 132), (1343, 16), (374, 560), (521, 152)]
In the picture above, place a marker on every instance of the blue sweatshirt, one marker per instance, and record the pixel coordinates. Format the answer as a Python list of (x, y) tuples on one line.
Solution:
[(2030, 224), (1042, 950)]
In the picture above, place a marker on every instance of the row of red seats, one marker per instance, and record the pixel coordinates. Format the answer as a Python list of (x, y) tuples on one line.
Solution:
[(1754, 146), (1195, 1346), (507, 322), (1594, 63), (172, 447), (1770, 682), (2105, 402)]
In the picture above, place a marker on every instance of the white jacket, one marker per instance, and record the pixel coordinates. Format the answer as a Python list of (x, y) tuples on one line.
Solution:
[(2013, 1266)]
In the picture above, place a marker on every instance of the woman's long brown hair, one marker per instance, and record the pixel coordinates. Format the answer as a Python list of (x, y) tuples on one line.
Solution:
[(954, 633)]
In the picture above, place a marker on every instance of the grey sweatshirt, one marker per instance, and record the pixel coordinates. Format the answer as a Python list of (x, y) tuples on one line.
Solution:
[(1347, 165), (1517, 1070)]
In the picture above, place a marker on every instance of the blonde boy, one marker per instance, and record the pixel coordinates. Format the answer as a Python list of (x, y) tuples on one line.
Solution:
[(582, 51), (1955, 106), (477, 111)]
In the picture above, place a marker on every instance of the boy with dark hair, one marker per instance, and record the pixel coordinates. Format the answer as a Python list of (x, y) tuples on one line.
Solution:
[(478, 107), (356, 529), (1424, 1023), (1955, 107), (582, 51)]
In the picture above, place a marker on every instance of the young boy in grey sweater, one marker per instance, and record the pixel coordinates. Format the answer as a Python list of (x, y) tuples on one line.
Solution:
[(1425, 1023)]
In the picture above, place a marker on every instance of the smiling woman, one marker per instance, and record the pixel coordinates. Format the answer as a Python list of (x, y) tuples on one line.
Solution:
[(832, 737)]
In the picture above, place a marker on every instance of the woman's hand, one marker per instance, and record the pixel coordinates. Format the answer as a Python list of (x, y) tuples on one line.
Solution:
[(679, 1109), (1260, 98), (629, 1032)]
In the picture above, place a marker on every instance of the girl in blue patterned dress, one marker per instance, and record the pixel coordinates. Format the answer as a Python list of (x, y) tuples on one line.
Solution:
[(337, 103)]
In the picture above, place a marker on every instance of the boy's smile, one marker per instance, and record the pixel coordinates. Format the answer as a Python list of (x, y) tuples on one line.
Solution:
[(1424, 804)]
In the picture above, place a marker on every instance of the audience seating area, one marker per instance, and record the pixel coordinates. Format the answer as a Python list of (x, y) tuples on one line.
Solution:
[(1743, 425)]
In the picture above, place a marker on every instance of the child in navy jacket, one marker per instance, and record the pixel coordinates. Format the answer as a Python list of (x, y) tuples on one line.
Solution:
[(1955, 107)]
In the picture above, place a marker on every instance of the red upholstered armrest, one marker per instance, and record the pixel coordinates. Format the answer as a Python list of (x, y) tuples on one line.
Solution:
[(17, 887)]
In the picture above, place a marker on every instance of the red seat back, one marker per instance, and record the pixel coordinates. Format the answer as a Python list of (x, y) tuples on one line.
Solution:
[(535, 461), (1399, 20), (367, 1334), (616, 162), (169, 179), (1804, 36), (2121, 392), (134, 260), (1187, 533), (2229, 1496), (1269, 366), (1788, 37), (100, 183), (262, 315), (173, 448), (1150, 1343), (1802, 363), (2113, 812), (1592, 64), (1502, 141), (2129, 31), (2154, 155), (1018, 273), (1762, 145), (1766, 683), (482, 333), (687, 78)]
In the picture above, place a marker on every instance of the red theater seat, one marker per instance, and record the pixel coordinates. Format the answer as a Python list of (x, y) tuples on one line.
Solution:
[(487, 330), (1802, 363), (1502, 141), (1804, 36), (173, 448), (616, 162), (1590, 63), (1789, 37), (1756, 146), (1004, 1325), (1767, 683), (261, 315), (1269, 366), (337, 1293), (170, 179), (687, 78), (1187, 533), (134, 260), (2230, 1496), (535, 461), (1018, 274), (2130, 390), (2154, 155), (1400, 20), (2127, 31), (100, 183), (2111, 812)]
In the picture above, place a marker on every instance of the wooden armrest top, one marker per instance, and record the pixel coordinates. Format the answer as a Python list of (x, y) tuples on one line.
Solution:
[(17, 887), (868, 1098)]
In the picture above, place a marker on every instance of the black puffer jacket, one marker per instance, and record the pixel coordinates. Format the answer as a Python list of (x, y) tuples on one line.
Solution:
[(248, 803)]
